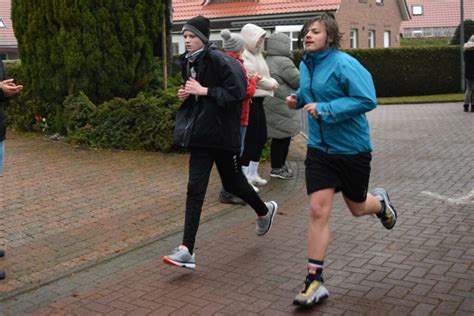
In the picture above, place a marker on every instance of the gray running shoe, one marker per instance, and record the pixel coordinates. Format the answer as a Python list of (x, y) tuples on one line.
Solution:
[(313, 293), (228, 198), (265, 223), (286, 166), (389, 215), (281, 173), (181, 258)]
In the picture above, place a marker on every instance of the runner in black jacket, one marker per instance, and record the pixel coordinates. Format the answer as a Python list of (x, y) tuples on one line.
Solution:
[(208, 124)]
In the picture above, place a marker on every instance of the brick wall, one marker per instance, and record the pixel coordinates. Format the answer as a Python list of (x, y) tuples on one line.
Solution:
[(367, 15)]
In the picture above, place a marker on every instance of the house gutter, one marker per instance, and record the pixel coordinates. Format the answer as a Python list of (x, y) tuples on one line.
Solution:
[(264, 20), (402, 4)]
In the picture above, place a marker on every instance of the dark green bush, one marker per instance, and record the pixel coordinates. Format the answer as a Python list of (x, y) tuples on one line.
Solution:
[(411, 70), (468, 32), (141, 123), (104, 48), (22, 108), (78, 111)]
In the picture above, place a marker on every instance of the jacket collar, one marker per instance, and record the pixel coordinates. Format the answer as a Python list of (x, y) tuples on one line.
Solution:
[(319, 55), (234, 55)]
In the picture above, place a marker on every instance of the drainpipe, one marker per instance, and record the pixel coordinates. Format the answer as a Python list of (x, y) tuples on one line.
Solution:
[(461, 44)]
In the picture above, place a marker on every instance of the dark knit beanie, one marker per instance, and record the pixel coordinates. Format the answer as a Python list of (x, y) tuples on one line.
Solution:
[(199, 25)]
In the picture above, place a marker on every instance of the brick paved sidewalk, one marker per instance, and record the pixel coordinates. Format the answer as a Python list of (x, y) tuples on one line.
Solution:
[(65, 208), (423, 156)]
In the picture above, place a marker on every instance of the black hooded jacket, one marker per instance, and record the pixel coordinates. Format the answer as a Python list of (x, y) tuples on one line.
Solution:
[(469, 63), (212, 121)]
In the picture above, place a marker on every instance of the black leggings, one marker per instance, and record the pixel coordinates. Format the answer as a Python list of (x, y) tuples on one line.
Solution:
[(234, 181), (256, 135), (279, 151)]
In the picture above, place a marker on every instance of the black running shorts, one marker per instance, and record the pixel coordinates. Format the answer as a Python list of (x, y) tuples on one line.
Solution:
[(347, 173)]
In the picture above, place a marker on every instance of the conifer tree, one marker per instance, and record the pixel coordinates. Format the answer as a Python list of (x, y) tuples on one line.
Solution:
[(104, 48), (468, 32)]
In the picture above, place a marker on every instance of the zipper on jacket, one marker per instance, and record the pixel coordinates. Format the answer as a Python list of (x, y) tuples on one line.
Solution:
[(186, 128), (311, 70)]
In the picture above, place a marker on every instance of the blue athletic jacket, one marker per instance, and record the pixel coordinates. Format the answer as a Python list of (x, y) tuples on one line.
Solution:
[(343, 90)]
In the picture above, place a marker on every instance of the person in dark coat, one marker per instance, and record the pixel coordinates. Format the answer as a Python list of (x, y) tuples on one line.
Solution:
[(208, 124), (233, 45), (469, 74), (7, 89), (282, 122)]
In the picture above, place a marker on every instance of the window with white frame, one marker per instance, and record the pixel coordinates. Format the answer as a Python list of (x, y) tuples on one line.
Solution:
[(293, 31), (354, 37), (417, 10), (386, 39), (175, 48), (2, 24), (371, 39)]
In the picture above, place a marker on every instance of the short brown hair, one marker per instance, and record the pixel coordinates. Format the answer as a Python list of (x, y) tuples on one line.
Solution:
[(332, 30)]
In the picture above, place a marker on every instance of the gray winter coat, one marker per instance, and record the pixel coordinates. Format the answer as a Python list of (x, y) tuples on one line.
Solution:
[(282, 122)]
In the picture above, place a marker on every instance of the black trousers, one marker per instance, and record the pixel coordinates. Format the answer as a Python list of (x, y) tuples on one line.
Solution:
[(230, 170), (469, 96), (279, 151), (256, 135)]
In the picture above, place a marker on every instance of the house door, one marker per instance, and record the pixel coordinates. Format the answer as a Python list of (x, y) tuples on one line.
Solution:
[(386, 39)]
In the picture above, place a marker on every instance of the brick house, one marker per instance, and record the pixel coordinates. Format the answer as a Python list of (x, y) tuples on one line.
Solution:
[(435, 18), (8, 43), (364, 23)]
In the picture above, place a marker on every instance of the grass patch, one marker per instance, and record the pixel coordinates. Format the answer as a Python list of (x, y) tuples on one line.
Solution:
[(424, 41), (453, 97)]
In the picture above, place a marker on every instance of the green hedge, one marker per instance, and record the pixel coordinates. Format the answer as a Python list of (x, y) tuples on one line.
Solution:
[(141, 123), (410, 71), (145, 122)]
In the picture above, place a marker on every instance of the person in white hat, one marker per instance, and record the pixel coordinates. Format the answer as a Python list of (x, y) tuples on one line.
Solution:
[(256, 136)]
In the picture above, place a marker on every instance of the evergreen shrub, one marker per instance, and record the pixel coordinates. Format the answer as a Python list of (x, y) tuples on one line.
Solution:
[(145, 122), (468, 32), (104, 48), (23, 107), (410, 71), (140, 123)]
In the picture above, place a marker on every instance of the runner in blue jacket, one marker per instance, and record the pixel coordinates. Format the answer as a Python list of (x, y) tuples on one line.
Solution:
[(344, 91), (336, 91)]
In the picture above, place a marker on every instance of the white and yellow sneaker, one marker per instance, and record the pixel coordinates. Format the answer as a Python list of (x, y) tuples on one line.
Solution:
[(313, 293)]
